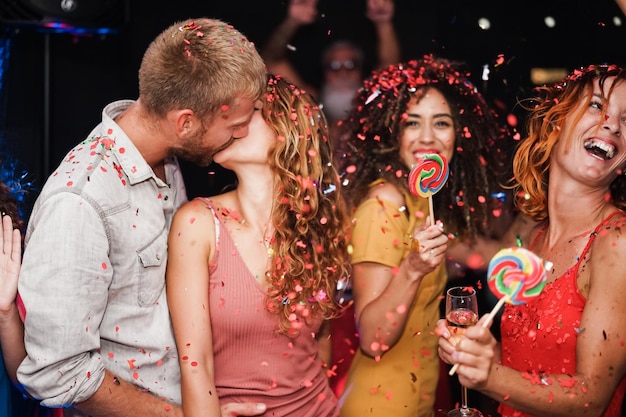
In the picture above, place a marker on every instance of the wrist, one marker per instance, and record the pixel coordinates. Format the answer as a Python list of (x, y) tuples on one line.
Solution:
[(7, 308)]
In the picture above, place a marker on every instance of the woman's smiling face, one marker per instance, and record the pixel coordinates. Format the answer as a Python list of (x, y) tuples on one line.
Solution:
[(428, 128)]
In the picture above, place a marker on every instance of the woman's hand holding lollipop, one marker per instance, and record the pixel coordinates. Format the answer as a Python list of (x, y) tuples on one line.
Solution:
[(514, 275)]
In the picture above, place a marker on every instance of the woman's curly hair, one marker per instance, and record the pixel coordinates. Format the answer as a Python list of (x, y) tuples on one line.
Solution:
[(371, 134), (310, 253), (549, 109)]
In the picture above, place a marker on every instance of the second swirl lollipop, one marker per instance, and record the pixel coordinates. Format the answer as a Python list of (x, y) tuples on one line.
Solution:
[(516, 275)]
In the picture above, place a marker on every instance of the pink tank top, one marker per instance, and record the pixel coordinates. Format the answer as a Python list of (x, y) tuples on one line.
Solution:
[(540, 337), (254, 363)]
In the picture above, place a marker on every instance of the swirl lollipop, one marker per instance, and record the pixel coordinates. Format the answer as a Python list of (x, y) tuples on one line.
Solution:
[(515, 275), (428, 177)]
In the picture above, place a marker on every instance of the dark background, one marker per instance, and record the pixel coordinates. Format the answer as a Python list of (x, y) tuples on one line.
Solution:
[(54, 85)]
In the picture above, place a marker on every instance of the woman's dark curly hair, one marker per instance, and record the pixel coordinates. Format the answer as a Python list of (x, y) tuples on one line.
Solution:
[(370, 138), (549, 109), (8, 206)]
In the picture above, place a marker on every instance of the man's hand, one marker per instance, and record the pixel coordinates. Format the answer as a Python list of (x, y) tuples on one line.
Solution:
[(242, 409)]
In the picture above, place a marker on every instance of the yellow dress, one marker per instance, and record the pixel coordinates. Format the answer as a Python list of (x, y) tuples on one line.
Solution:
[(403, 382)]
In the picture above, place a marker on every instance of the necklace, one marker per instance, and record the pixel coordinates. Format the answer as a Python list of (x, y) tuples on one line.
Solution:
[(266, 237), (267, 241)]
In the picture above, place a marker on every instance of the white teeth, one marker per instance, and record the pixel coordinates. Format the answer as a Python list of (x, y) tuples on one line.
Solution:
[(600, 148)]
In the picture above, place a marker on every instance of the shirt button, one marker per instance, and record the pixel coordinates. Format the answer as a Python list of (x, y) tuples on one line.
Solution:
[(158, 257), (166, 197)]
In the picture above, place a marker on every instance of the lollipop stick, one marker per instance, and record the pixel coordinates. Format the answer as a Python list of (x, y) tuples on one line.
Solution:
[(453, 370), (494, 311), (485, 323), (431, 209)]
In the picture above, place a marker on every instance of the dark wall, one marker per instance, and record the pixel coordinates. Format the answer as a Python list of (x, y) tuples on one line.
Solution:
[(56, 85)]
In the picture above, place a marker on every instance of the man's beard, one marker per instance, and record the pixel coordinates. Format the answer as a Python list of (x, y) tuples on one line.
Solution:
[(194, 152), (337, 100)]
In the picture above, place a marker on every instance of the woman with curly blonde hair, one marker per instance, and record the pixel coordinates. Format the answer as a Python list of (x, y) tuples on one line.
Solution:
[(253, 272)]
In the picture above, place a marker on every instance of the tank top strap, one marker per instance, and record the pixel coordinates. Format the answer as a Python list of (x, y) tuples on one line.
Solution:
[(540, 232), (216, 220), (593, 235)]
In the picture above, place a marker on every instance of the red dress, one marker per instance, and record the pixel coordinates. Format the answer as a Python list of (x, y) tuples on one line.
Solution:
[(539, 338)]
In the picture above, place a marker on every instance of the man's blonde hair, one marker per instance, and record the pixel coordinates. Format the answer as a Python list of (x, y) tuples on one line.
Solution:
[(201, 64)]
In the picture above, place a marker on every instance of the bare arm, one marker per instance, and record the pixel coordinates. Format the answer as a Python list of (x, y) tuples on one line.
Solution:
[(300, 12), (119, 398), (381, 12), (11, 328), (122, 399), (190, 247)]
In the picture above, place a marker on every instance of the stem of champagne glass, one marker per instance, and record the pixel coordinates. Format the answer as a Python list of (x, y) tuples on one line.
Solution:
[(464, 409)]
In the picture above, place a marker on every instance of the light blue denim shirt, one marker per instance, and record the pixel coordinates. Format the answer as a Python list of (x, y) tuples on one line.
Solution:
[(93, 276)]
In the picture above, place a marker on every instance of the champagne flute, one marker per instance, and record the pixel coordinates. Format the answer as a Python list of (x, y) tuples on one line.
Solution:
[(461, 313)]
